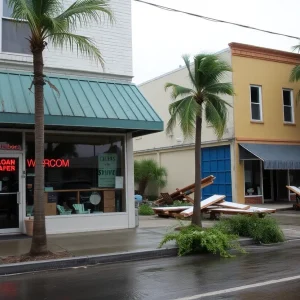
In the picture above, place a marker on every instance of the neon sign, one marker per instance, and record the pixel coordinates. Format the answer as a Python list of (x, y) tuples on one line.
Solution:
[(10, 147), (7, 165), (50, 163)]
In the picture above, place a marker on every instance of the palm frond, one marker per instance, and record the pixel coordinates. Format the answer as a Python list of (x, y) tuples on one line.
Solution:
[(184, 112), (216, 113), (186, 59), (24, 10), (178, 90), (296, 48), (82, 12), (225, 88), (83, 45), (210, 69), (295, 74), (49, 7)]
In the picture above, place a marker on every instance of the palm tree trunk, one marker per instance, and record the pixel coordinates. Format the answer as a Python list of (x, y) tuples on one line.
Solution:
[(39, 239), (196, 218), (142, 187)]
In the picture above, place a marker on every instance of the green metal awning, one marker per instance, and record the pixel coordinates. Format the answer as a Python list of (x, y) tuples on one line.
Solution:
[(81, 103)]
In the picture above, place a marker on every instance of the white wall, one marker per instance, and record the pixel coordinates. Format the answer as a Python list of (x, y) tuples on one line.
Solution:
[(84, 223), (155, 93), (114, 41)]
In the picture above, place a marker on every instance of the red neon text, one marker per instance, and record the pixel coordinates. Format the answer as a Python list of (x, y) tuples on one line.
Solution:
[(7, 165), (50, 163), (10, 147)]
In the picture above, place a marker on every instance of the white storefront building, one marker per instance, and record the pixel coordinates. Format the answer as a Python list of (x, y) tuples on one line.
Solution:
[(89, 129)]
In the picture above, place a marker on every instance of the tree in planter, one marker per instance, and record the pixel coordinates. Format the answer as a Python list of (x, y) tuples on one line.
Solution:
[(146, 171), (49, 22), (203, 100)]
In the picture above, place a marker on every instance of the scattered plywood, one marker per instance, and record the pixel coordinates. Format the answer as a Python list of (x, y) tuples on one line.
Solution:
[(232, 205), (294, 189), (204, 204), (250, 211), (171, 208), (183, 194)]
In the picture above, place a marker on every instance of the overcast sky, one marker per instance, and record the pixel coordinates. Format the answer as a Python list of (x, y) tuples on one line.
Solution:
[(161, 37)]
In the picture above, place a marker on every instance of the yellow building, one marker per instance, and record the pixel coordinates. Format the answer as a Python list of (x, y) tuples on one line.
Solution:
[(260, 151), (266, 122)]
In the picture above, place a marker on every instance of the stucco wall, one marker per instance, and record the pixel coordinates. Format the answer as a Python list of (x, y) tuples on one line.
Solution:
[(114, 41), (154, 91), (180, 165), (273, 77)]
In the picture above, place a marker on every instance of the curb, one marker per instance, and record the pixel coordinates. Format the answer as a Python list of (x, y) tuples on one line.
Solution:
[(79, 261)]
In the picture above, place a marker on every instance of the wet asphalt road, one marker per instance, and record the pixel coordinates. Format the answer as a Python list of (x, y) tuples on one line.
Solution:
[(170, 278)]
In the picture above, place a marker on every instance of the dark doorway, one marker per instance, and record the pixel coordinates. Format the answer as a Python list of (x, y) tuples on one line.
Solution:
[(9, 188)]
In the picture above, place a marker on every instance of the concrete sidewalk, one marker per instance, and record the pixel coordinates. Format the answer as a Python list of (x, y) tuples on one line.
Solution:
[(146, 237)]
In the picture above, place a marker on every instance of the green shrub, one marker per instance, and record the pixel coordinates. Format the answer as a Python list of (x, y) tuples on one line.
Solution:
[(262, 230), (152, 198), (145, 210), (181, 203), (193, 239)]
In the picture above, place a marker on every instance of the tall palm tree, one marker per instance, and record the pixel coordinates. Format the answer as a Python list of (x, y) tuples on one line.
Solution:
[(50, 23), (201, 101)]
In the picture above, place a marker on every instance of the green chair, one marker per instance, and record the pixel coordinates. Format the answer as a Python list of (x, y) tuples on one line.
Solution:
[(63, 211), (79, 208)]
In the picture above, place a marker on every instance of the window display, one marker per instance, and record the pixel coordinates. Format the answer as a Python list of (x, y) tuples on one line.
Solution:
[(83, 174), (252, 177)]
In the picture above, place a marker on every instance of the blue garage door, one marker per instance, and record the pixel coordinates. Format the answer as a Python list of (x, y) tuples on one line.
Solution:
[(216, 161)]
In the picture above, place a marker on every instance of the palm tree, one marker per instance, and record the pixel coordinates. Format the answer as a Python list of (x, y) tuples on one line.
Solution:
[(295, 74), (148, 171), (202, 100), (49, 23)]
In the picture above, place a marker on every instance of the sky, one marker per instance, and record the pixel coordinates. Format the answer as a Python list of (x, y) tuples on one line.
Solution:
[(160, 37)]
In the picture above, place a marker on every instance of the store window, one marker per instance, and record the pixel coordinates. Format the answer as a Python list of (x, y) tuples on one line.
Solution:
[(14, 34), (252, 177), (83, 174), (10, 140), (295, 178)]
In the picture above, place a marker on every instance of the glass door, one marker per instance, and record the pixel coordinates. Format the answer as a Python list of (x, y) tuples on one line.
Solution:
[(9, 193)]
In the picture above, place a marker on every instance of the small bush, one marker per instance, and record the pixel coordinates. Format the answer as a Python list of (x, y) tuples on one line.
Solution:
[(152, 198), (193, 239), (145, 210), (262, 230), (181, 203)]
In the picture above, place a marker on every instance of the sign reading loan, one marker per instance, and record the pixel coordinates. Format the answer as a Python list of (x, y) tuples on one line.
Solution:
[(107, 168)]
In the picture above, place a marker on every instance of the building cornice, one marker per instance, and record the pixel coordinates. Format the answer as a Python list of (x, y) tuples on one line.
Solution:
[(249, 51)]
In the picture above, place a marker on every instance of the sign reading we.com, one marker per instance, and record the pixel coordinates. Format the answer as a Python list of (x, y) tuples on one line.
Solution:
[(50, 163), (107, 168)]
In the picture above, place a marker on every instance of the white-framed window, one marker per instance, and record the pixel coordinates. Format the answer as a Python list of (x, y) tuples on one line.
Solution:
[(288, 105), (14, 35), (256, 102)]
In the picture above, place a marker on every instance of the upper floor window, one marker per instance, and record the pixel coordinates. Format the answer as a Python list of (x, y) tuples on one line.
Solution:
[(256, 102), (14, 34), (288, 107)]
